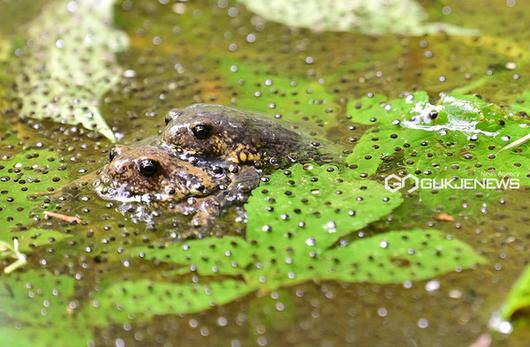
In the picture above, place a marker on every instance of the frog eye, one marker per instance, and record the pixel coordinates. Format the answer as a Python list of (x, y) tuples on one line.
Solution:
[(202, 131), (148, 167)]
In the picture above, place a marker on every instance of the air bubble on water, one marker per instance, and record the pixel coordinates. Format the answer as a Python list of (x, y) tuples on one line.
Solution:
[(498, 324), (455, 294), (330, 227), (311, 241), (511, 65), (432, 286), (129, 73), (222, 321), (251, 38), (71, 6), (423, 323)]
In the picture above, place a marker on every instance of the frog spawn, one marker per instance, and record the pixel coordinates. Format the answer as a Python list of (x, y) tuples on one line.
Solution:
[(329, 304)]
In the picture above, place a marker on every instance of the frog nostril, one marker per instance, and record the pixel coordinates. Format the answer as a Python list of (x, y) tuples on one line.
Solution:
[(115, 151), (112, 154), (172, 114), (217, 170)]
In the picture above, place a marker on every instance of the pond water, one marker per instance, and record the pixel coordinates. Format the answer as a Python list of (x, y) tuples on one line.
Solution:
[(328, 256)]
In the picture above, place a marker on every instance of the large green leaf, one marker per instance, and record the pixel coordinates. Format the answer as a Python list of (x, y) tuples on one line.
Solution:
[(399, 256), (464, 140), (13, 244), (314, 205), (146, 298), (518, 300), (301, 212), (224, 256), (69, 69), (21, 178), (34, 310), (34, 237)]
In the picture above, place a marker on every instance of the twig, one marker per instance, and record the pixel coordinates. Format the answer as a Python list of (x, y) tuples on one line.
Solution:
[(68, 219), (515, 143), (7, 250), (444, 217)]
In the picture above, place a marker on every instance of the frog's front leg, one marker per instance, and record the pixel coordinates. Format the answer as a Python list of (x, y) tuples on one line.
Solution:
[(237, 192)]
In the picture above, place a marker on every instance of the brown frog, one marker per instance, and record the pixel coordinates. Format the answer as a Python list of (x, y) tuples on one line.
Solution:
[(151, 176), (219, 132)]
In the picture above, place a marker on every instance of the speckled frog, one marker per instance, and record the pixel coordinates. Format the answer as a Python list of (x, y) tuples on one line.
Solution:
[(241, 138), (151, 176)]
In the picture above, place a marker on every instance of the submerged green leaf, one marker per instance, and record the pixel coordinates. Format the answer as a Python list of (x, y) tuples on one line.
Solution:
[(518, 300), (399, 256), (33, 237), (147, 298), (375, 17), (223, 256), (23, 176), (71, 64), (34, 306)]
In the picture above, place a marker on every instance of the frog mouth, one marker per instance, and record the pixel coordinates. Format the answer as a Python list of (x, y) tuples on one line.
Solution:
[(106, 189), (110, 191)]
